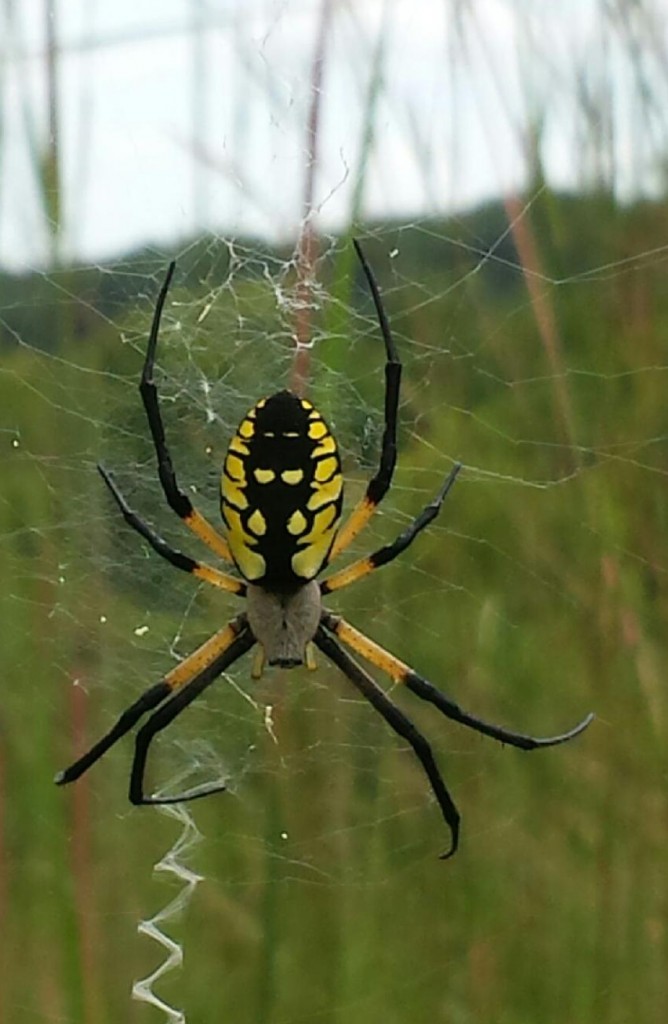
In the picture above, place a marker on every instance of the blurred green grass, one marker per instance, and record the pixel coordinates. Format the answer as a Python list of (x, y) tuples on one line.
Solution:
[(537, 596)]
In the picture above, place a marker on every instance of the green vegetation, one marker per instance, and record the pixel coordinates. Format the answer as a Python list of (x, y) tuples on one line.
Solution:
[(537, 596)]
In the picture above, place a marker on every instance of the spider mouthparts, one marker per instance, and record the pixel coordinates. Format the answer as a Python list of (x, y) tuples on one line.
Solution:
[(286, 662)]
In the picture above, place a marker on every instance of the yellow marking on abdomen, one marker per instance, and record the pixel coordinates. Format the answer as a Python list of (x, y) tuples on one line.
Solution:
[(325, 469), (237, 445), (326, 447), (257, 524), (246, 429), (323, 520), (233, 493), (325, 493), (292, 476), (316, 430), (306, 563), (251, 565), (297, 522), (264, 476), (234, 467)]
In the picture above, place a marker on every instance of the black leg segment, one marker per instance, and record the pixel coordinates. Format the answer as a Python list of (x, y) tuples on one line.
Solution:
[(148, 700), (398, 721), (176, 498), (427, 691), (361, 568), (174, 557), (168, 712), (426, 516), (379, 485)]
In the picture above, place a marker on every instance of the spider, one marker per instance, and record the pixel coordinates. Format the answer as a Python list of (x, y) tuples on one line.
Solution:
[(281, 495)]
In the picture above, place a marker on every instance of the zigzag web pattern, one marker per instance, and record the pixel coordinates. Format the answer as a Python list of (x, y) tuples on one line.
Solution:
[(172, 863)]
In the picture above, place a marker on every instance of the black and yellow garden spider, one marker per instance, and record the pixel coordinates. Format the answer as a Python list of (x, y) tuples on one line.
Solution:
[(281, 497)]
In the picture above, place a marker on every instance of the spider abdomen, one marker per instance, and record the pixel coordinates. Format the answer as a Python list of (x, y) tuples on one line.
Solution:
[(281, 493)]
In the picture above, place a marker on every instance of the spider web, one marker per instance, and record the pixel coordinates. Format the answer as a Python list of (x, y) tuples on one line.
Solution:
[(531, 334)]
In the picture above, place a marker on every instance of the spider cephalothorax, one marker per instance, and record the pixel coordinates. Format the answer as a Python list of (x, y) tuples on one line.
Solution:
[(284, 624), (281, 500)]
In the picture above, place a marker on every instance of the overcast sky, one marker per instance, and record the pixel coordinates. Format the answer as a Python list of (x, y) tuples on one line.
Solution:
[(181, 116)]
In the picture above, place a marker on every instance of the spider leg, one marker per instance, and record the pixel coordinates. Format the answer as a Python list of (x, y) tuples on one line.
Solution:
[(378, 486), (177, 558), (227, 643), (148, 700), (402, 673), (177, 499), (363, 566), (401, 724), (166, 714)]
